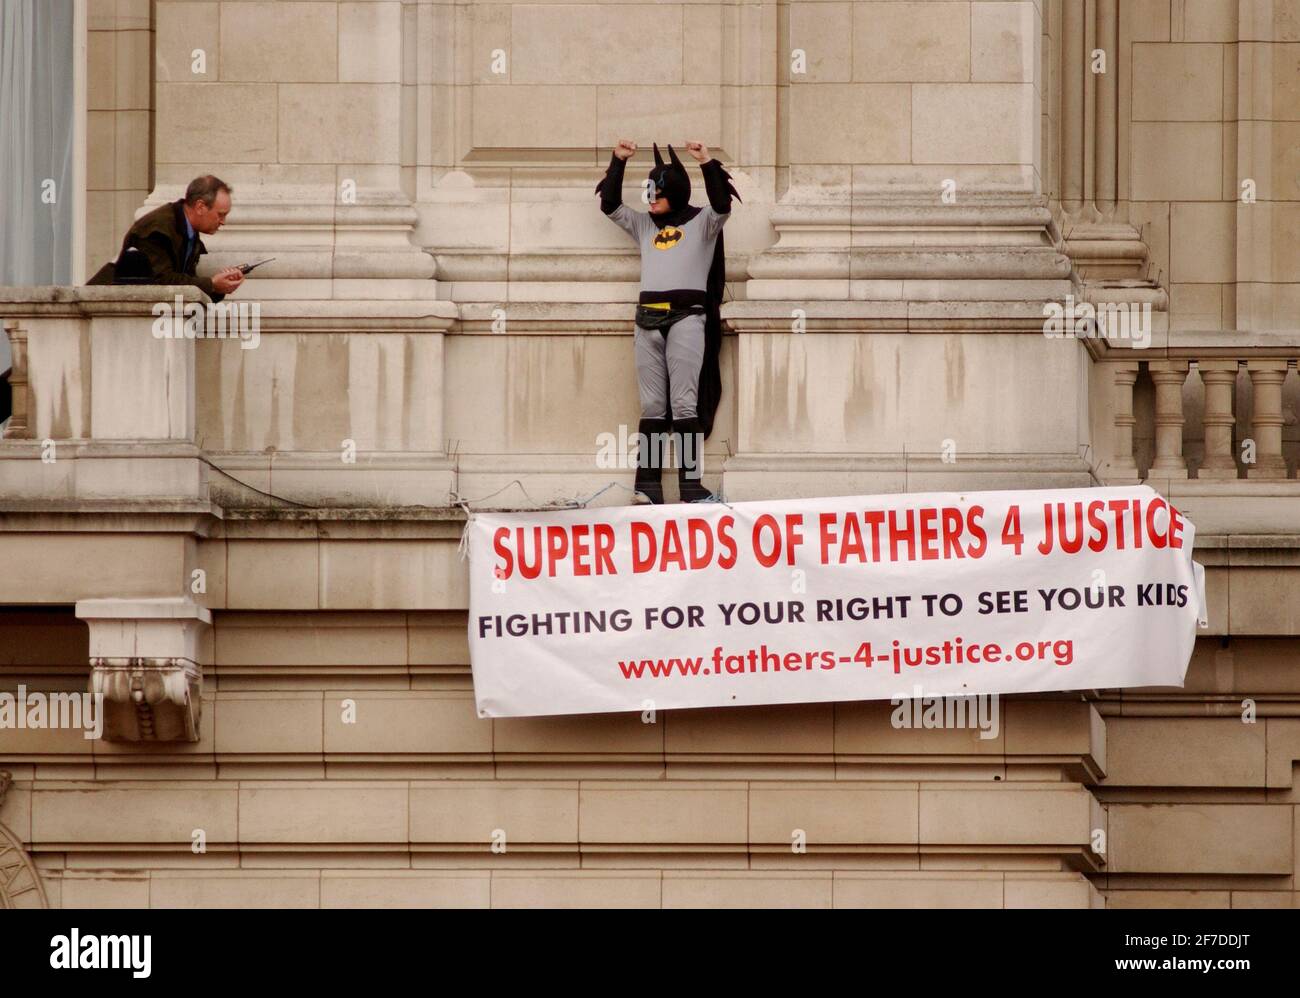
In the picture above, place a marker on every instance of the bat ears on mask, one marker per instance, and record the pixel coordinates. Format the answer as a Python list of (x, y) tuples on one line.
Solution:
[(672, 155)]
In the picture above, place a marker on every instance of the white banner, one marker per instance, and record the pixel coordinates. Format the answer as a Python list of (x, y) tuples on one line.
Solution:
[(844, 598)]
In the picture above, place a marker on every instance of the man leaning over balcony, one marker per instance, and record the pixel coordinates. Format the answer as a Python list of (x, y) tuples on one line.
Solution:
[(163, 247)]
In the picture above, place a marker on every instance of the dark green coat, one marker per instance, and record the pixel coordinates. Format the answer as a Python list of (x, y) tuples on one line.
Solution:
[(160, 236)]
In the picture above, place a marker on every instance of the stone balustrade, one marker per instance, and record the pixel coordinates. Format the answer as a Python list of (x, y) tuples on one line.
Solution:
[(383, 404), (153, 393), (386, 404), (1219, 408)]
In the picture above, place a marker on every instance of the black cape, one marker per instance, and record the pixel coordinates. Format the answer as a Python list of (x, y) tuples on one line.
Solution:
[(709, 393)]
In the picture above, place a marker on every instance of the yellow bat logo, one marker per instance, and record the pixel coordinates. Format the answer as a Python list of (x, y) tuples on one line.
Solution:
[(667, 237)]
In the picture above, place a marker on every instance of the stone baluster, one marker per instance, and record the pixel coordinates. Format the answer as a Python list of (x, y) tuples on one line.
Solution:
[(1219, 377), (1122, 466), (1266, 377), (18, 426), (1169, 376)]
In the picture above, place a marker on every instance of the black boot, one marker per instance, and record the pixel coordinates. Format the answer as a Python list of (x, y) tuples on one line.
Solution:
[(650, 459), (689, 442)]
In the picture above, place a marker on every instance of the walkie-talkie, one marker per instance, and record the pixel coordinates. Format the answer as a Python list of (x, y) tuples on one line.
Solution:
[(244, 268)]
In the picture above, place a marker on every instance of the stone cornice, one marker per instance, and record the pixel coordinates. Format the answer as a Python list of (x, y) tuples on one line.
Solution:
[(1270, 548), (1196, 344)]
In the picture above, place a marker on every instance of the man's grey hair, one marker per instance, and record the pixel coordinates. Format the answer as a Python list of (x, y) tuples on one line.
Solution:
[(205, 189)]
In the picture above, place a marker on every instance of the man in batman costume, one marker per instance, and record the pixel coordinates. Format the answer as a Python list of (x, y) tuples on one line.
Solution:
[(678, 332)]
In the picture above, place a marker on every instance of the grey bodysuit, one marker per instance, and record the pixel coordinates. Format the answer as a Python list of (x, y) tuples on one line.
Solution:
[(673, 259)]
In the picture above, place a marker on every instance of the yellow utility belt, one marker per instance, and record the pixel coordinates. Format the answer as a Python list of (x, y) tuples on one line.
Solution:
[(661, 316)]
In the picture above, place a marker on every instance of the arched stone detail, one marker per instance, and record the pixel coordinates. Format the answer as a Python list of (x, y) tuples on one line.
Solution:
[(20, 884)]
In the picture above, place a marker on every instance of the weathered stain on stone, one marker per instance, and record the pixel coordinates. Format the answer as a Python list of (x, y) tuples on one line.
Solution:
[(61, 417), (800, 414), (408, 392), (765, 418), (527, 388), (239, 425), (954, 369), (898, 383), (860, 402), (322, 397), (781, 387), (383, 404), (578, 351), (83, 350), (208, 381), (273, 441)]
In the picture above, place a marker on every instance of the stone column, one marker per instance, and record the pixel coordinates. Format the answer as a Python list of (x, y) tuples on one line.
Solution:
[(520, 106), (1105, 247), (1259, 97), (910, 160), (914, 254), (1090, 78), (302, 108), (1074, 69), (1107, 109)]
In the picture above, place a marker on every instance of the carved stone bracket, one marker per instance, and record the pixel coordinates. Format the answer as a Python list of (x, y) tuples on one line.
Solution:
[(148, 699), (145, 667)]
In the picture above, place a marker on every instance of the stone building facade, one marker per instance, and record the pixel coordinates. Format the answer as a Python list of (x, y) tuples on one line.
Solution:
[(254, 552)]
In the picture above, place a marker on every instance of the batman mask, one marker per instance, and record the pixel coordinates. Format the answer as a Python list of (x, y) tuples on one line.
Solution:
[(671, 179), (673, 182)]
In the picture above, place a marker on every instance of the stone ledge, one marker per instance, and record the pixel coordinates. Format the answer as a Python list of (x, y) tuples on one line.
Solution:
[(57, 301), (1195, 344), (359, 315)]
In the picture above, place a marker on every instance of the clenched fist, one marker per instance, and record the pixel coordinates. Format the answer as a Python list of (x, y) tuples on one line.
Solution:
[(699, 150), (625, 149)]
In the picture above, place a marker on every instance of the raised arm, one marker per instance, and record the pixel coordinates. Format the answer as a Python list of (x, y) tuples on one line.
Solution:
[(717, 184), (610, 190)]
